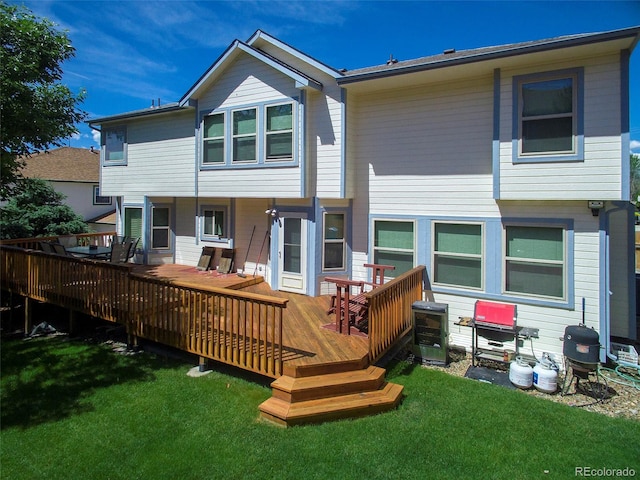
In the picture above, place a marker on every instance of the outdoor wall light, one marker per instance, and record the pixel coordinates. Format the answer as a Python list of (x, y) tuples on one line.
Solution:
[(595, 206)]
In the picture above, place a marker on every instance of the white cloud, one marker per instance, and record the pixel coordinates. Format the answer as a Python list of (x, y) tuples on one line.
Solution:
[(96, 136), (635, 145)]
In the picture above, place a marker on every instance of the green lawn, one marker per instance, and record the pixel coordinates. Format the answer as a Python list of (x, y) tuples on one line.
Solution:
[(73, 410)]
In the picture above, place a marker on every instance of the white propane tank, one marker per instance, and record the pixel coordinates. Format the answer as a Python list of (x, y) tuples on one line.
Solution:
[(521, 373), (545, 375)]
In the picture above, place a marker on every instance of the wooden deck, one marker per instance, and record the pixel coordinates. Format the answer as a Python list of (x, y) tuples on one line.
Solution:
[(307, 344)]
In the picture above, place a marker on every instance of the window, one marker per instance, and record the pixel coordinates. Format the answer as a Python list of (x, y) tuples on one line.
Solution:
[(160, 228), (549, 122), (393, 244), (457, 255), (334, 242), (213, 151), (535, 262), (133, 222), (279, 135), (214, 223), (115, 140), (99, 199), (244, 135)]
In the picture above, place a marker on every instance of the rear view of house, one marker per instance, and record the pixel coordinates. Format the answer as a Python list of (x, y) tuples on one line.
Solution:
[(504, 170)]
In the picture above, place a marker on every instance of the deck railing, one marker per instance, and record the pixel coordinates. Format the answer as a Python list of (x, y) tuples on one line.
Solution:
[(102, 239), (233, 327), (390, 310)]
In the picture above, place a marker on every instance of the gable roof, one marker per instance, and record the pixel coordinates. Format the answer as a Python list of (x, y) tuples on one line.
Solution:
[(231, 53), (452, 57), (65, 164)]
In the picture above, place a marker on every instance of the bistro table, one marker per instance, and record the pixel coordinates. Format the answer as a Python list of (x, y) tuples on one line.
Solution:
[(90, 251)]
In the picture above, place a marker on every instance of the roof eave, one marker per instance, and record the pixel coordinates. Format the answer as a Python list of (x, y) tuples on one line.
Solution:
[(137, 114), (498, 54)]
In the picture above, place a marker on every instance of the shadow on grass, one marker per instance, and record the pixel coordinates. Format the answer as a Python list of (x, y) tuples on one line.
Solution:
[(51, 378)]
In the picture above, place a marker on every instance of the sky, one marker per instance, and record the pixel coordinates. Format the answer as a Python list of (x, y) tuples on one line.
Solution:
[(129, 53)]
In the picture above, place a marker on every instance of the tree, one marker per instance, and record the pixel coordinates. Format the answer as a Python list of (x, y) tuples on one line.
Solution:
[(36, 111), (37, 210)]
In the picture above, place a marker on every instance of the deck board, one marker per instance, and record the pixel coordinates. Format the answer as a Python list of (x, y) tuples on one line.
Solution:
[(305, 342)]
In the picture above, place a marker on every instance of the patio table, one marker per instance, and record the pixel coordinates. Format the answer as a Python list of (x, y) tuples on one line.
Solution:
[(90, 251)]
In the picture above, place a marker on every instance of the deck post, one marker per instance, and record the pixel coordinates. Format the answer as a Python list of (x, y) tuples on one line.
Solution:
[(203, 364), (72, 321), (28, 323)]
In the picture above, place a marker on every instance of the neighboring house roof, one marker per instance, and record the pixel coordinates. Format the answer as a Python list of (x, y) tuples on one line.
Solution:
[(65, 164), (452, 57), (108, 218)]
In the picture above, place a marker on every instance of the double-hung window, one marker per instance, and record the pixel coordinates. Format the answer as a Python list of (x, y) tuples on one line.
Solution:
[(457, 254), (115, 145), (213, 151), (394, 244), (160, 228), (548, 119), (334, 242), (535, 261), (244, 135), (279, 132), (100, 199), (214, 223)]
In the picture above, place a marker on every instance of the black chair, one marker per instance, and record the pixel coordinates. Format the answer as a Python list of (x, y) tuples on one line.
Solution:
[(59, 249), (119, 252), (133, 245), (46, 247)]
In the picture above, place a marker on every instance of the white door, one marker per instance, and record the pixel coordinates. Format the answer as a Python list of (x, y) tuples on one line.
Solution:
[(292, 253)]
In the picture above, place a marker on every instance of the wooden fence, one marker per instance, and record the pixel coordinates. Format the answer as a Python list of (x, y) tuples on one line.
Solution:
[(233, 327), (102, 239), (390, 310)]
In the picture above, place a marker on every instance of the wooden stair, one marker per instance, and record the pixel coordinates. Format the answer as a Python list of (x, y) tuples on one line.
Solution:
[(318, 398)]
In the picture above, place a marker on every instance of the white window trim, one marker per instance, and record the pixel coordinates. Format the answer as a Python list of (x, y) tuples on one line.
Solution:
[(152, 229), (245, 135), (577, 153), (103, 149), (214, 238), (267, 133), (261, 161), (343, 241), (400, 250), (482, 256), (223, 137), (565, 262)]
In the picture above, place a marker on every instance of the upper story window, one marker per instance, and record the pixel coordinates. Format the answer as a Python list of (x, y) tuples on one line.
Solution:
[(213, 151), (394, 244), (548, 119), (457, 254), (535, 261), (250, 137), (334, 242), (115, 145), (245, 135), (279, 135)]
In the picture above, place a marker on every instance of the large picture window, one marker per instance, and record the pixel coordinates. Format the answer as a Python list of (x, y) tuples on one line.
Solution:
[(244, 135), (393, 244), (161, 228), (457, 255), (279, 134), (115, 140), (548, 115), (334, 241), (213, 138), (535, 262)]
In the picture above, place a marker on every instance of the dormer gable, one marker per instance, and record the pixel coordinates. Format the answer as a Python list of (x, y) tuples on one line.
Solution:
[(237, 48)]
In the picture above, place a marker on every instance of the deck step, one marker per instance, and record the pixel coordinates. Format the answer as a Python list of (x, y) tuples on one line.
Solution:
[(351, 405), (293, 390)]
